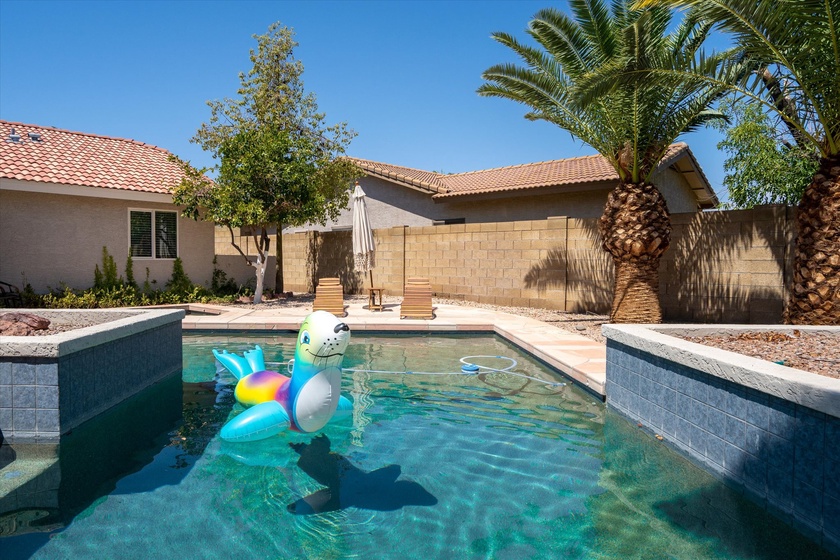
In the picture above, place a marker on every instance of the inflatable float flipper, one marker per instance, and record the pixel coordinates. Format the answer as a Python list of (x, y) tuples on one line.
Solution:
[(251, 361)]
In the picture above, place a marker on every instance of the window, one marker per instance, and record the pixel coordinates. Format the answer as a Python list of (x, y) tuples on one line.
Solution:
[(148, 225)]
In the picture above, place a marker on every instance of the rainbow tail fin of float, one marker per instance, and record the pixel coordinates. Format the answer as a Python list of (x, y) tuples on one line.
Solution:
[(240, 366), (258, 422)]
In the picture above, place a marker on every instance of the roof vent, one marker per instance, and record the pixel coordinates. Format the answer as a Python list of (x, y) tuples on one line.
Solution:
[(13, 136), (34, 136)]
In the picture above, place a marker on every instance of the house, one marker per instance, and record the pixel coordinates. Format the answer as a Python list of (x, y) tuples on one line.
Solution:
[(64, 195), (575, 187)]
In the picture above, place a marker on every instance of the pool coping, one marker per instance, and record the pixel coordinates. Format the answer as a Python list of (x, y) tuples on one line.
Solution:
[(579, 358)]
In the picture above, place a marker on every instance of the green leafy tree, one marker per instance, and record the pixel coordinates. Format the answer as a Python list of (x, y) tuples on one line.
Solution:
[(762, 167), (281, 164), (568, 81), (796, 47)]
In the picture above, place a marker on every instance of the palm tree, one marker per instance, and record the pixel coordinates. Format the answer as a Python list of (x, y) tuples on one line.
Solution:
[(796, 43), (632, 125)]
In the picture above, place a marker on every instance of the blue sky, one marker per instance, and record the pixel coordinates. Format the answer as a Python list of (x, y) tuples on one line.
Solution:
[(402, 74)]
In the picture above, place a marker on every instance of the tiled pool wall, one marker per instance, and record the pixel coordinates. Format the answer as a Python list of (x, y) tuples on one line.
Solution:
[(781, 444), (51, 384)]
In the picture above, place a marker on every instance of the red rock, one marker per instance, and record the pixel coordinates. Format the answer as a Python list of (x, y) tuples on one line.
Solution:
[(21, 324)]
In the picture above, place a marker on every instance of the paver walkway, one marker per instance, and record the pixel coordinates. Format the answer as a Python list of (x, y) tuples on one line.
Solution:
[(580, 358)]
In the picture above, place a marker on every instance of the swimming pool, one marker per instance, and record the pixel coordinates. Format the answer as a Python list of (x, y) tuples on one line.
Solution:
[(430, 466)]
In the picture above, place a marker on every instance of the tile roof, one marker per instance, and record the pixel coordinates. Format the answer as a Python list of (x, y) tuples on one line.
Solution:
[(424, 180), (77, 158), (572, 171)]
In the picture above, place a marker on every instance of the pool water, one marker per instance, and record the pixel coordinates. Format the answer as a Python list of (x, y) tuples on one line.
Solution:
[(496, 465)]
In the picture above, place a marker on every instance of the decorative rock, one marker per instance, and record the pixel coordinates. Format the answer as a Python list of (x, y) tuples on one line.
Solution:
[(21, 324)]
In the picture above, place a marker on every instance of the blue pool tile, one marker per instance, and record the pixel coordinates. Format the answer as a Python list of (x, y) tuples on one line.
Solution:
[(669, 423), (699, 388), (810, 426), (807, 501), (23, 373), (683, 430), (669, 399), (832, 434), (46, 374), (697, 439), (656, 413), (716, 421), (47, 420), (735, 403), (808, 466), (694, 412), (735, 431), (5, 396), (757, 411), (831, 516), (831, 473), (780, 489), (633, 382), (778, 452), (715, 448), (780, 418), (755, 473), (5, 373), (46, 397), (6, 419), (716, 395), (733, 458), (23, 396), (669, 377), (23, 419), (754, 439)]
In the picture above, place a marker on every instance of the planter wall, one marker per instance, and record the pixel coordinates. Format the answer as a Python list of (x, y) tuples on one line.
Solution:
[(772, 430), (51, 384)]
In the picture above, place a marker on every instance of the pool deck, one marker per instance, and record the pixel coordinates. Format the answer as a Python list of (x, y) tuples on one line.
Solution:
[(578, 357)]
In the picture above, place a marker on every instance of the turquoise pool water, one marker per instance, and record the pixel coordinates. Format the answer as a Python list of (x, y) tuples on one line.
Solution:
[(430, 466)]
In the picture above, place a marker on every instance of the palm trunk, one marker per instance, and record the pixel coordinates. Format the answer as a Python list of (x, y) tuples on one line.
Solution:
[(815, 293), (636, 231)]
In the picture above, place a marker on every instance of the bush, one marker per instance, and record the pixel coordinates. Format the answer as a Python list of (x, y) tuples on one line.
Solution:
[(111, 291)]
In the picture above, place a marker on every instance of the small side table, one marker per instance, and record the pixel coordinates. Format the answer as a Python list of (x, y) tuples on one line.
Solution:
[(372, 299)]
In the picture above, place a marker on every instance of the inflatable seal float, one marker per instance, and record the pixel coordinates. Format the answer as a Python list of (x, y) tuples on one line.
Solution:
[(304, 402)]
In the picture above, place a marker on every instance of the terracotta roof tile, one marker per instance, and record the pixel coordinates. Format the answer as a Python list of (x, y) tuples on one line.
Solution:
[(424, 180), (77, 158), (586, 169)]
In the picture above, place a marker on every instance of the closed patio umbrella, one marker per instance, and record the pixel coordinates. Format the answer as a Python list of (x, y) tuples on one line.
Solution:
[(363, 245)]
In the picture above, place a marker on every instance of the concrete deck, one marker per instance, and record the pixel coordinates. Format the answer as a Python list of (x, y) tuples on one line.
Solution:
[(578, 357)]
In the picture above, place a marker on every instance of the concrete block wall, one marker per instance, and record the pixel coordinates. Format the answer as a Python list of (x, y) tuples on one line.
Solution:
[(729, 266)]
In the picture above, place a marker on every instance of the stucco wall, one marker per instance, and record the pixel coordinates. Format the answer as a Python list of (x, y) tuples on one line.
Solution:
[(391, 205), (49, 239), (722, 266)]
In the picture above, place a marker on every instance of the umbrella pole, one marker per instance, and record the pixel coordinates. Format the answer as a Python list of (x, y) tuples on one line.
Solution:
[(371, 278)]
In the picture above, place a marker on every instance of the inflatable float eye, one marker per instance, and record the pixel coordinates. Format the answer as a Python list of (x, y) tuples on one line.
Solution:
[(304, 337)]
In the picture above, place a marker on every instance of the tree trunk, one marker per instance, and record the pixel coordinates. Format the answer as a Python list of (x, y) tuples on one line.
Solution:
[(278, 261), (815, 292), (259, 266), (636, 231)]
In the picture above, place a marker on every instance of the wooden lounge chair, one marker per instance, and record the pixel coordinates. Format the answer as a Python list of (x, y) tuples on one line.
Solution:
[(417, 299), (10, 296), (329, 296)]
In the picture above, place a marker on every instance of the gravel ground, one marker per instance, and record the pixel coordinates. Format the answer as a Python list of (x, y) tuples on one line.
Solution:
[(817, 353)]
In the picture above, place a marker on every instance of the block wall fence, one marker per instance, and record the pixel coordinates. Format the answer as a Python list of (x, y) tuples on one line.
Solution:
[(729, 266)]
